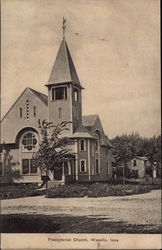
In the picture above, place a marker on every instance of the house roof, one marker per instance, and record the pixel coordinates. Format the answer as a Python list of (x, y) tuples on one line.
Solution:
[(63, 70), (82, 132), (89, 120), (144, 158), (41, 96), (81, 135), (81, 129)]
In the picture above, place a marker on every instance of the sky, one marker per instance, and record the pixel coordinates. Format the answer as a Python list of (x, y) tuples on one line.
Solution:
[(115, 46)]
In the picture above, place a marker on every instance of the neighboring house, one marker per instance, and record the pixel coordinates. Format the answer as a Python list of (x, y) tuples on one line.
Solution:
[(137, 166), (20, 134)]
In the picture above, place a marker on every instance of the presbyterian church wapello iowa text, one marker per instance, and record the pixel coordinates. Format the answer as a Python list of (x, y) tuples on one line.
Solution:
[(20, 133)]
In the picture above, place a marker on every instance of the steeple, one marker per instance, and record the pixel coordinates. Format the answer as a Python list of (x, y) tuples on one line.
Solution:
[(63, 70), (64, 89)]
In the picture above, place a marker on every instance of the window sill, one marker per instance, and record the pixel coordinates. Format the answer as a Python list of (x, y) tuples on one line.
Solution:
[(59, 100), (32, 151)]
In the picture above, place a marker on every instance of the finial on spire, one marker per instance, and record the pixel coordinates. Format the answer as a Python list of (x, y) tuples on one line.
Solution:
[(63, 26)]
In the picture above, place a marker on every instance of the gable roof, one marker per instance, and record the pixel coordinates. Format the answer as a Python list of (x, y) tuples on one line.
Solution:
[(41, 96), (89, 120), (63, 70), (92, 123)]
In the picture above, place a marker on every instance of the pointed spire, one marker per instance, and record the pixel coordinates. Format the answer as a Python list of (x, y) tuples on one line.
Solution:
[(63, 70)]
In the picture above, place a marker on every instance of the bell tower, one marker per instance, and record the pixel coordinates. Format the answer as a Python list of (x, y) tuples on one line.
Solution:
[(64, 89)]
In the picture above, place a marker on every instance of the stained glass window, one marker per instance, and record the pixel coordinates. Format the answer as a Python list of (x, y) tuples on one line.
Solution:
[(29, 146), (29, 141)]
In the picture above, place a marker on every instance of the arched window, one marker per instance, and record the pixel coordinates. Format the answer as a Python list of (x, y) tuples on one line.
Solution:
[(29, 145), (29, 141)]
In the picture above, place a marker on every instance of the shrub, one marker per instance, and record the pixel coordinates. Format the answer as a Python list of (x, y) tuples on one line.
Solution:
[(19, 190), (156, 183), (96, 190)]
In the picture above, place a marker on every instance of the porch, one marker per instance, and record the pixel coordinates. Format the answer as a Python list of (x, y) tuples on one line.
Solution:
[(63, 174)]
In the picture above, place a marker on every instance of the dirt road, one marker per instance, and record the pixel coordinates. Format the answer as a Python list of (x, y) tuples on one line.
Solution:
[(135, 209)]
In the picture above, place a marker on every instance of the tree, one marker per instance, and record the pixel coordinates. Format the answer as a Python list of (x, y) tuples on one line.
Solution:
[(152, 147), (125, 147), (52, 149)]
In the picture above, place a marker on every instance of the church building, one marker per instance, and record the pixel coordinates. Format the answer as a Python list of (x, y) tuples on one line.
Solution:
[(20, 133)]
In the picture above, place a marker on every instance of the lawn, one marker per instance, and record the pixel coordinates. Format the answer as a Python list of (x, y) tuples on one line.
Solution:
[(75, 190), (122, 214), (98, 190), (19, 190)]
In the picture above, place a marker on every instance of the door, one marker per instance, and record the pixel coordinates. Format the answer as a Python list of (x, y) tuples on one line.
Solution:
[(58, 173)]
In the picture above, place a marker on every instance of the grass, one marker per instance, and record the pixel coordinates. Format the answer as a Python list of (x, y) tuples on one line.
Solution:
[(19, 190), (98, 190), (75, 190), (25, 223)]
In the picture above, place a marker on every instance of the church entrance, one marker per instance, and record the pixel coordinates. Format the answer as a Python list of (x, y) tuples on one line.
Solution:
[(58, 173), (64, 172)]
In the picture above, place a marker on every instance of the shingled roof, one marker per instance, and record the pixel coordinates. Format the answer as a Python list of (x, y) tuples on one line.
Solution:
[(41, 96), (81, 132), (63, 70), (81, 135), (143, 158), (89, 120)]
